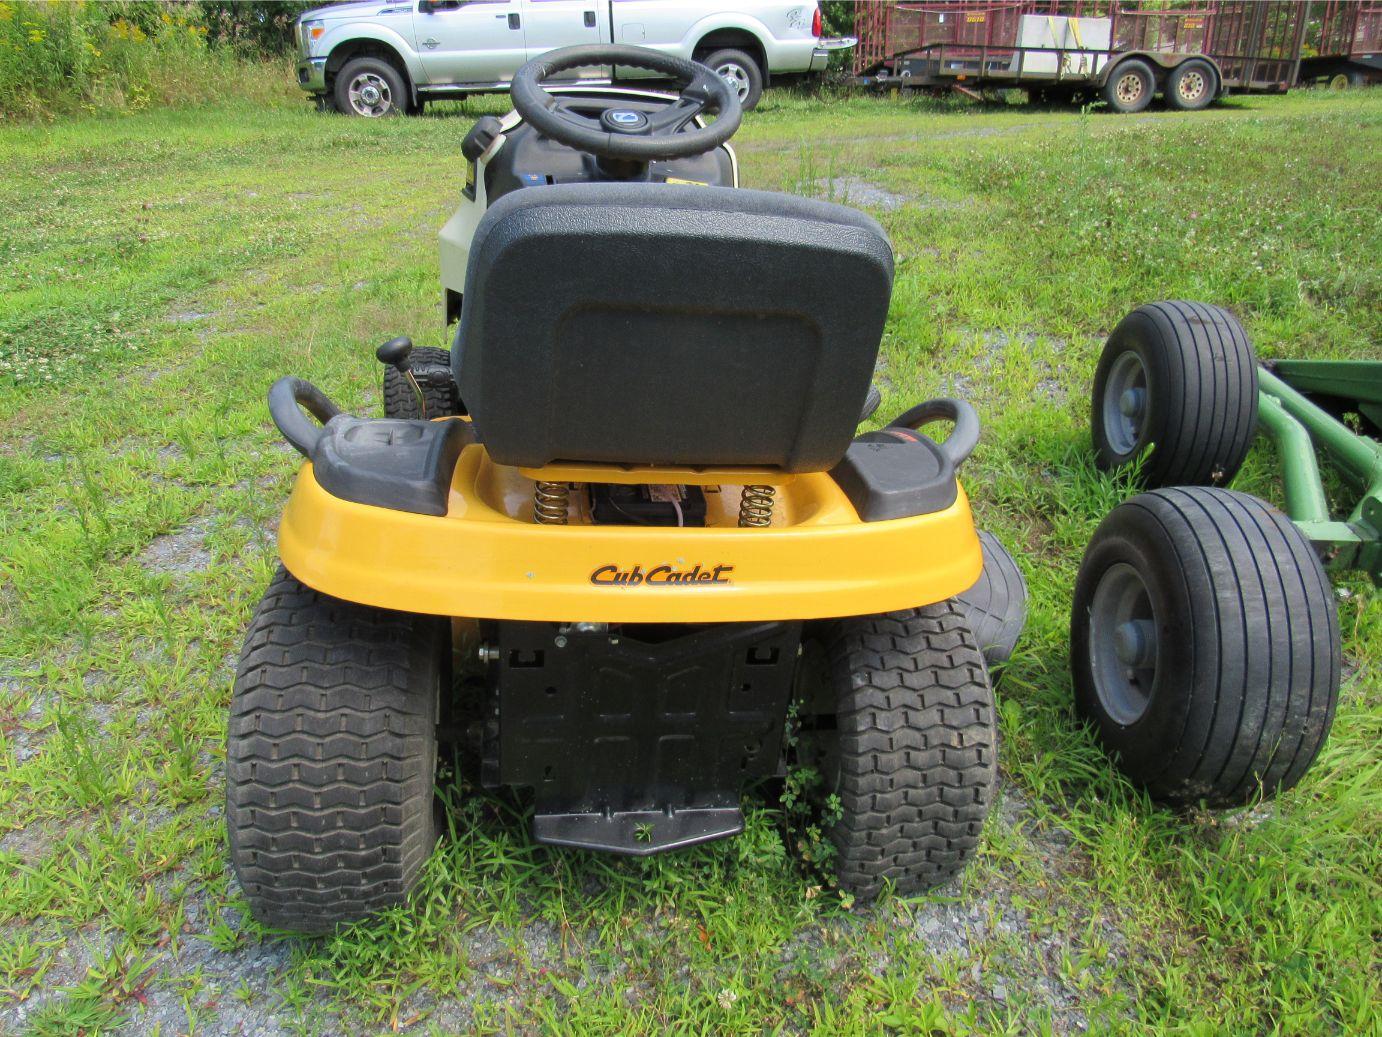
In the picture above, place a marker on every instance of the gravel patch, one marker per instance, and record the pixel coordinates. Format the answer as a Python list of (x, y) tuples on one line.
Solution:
[(180, 553)]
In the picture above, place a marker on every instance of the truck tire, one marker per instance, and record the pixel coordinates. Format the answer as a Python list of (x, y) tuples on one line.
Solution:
[(996, 606), (1130, 86), (1191, 86), (742, 72), (1205, 646), (371, 88), (1179, 377), (431, 366), (331, 757), (912, 756)]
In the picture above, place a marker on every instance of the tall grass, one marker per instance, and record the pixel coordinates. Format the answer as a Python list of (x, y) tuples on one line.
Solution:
[(60, 57)]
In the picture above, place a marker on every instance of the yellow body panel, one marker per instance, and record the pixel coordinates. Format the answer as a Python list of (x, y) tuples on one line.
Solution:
[(486, 558)]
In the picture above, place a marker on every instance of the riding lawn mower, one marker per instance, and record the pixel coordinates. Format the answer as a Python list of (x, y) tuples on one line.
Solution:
[(622, 534)]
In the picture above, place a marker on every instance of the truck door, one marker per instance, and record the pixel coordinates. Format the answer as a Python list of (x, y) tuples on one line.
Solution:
[(549, 24), (469, 41)]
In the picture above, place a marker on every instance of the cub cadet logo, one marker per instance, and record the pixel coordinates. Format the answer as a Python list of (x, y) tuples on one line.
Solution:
[(660, 575)]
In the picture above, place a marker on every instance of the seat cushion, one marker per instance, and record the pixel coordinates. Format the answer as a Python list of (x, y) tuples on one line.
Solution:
[(664, 324)]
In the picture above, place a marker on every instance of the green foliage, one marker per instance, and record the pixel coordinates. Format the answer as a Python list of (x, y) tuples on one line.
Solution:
[(254, 26)]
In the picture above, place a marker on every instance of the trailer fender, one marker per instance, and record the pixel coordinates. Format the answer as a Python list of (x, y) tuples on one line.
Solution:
[(1162, 61)]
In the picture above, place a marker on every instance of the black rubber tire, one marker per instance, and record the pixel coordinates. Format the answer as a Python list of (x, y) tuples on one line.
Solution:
[(1121, 102), (1247, 654), (996, 606), (1201, 394), (916, 746), (1181, 78), (399, 95), (331, 757), (751, 70), (431, 366)]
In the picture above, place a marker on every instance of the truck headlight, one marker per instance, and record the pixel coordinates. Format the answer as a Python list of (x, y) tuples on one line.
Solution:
[(312, 31)]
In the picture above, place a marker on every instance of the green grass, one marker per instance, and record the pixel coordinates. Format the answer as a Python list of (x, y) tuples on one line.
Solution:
[(160, 270)]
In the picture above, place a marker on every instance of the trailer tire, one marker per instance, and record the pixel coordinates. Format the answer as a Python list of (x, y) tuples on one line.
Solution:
[(1180, 377), (1191, 86), (431, 367), (1205, 646), (742, 73), (1130, 86), (912, 756), (331, 756)]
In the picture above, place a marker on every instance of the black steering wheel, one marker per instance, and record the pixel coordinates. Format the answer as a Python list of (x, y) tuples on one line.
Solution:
[(623, 133)]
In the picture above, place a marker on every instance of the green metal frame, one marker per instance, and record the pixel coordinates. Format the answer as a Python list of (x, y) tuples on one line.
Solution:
[(1299, 428)]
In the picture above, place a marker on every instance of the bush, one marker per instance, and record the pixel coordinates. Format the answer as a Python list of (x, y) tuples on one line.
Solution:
[(63, 57)]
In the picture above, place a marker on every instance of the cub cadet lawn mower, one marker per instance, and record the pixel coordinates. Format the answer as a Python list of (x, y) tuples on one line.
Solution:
[(1204, 637), (651, 538)]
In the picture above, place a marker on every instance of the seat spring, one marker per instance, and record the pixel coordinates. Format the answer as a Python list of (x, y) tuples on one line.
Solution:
[(756, 505), (551, 501)]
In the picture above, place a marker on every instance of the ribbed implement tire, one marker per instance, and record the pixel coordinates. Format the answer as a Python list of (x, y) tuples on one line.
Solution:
[(996, 606), (917, 747), (432, 368), (1201, 394), (331, 757), (1247, 654)]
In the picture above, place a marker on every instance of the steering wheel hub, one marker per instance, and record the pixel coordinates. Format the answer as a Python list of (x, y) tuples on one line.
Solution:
[(622, 120)]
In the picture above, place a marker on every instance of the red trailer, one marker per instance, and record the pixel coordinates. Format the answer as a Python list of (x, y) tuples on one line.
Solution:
[(1123, 51), (1343, 44)]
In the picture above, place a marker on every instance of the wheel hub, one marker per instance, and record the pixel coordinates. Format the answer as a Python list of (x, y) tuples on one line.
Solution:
[(1125, 404), (736, 77), (1130, 88), (1192, 86), (1123, 643)]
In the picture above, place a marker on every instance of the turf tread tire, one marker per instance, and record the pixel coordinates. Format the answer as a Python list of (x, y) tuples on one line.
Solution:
[(438, 386), (996, 606), (1254, 646), (331, 757), (917, 747), (1201, 394)]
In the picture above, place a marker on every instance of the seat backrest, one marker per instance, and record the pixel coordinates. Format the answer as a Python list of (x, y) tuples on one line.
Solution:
[(641, 323)]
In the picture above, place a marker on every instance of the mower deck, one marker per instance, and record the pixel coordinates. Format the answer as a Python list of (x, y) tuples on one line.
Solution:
[(488, 557)]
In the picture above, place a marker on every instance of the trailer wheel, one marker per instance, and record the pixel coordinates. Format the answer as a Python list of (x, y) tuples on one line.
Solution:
[(996, 606), (1130, 86), (1191, 86), (910, 751), (331, 757), (1205, 645), (1181, 378), (431, 366)]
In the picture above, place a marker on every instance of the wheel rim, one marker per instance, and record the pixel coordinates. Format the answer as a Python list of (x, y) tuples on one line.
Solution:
[(736, 75), (370, 95), (1125, 404), (1339, 82), (1123, 644), (1192, 86), (1129, 88)]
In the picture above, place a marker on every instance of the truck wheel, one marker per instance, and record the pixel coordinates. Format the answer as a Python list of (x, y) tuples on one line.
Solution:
[(431, 367), (1205, 646), (331, 757), (910, 752), (742, 73), (1130, 87), (996, 606), (371, 88), (1191, 86), (1180, 377)]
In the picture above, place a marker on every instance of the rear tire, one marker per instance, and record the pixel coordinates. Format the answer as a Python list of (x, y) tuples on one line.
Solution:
[(331, 757), (431, 366), (371, 88), (1180, 377), (1130, 87), (1191, 86), (913, 754), (742, 73), (1204, 645)]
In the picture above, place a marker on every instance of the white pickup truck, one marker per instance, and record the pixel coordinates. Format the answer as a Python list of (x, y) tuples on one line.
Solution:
[(379, 57)]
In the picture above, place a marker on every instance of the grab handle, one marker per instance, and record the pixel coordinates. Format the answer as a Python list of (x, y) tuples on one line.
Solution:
[(963, 437), (288, 397)]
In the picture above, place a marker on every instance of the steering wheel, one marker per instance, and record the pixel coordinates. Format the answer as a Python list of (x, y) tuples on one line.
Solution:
[(623, 133)]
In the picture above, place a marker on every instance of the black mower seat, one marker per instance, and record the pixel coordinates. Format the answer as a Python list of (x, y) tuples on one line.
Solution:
[(636, 323)]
